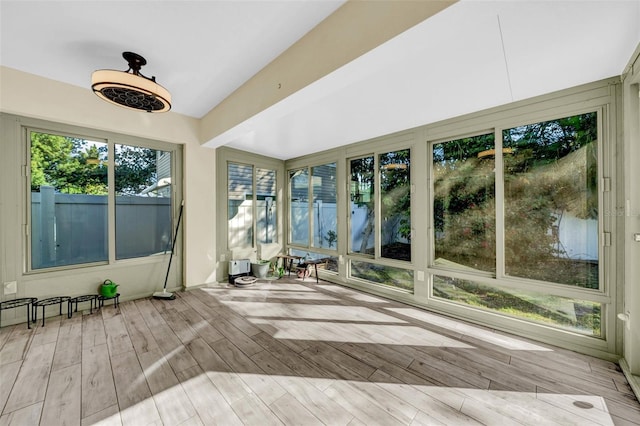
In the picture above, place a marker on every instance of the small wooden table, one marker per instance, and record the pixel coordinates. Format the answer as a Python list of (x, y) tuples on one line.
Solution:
[(315, 263), (285, 258)]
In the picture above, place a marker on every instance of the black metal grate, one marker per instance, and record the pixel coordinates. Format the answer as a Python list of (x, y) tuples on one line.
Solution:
[(132, 98)]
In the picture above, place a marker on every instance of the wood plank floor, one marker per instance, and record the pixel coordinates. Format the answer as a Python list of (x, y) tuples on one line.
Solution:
[(295, 353)]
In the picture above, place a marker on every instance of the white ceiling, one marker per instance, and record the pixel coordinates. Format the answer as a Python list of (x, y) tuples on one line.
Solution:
[(200, 50), (474, 55)]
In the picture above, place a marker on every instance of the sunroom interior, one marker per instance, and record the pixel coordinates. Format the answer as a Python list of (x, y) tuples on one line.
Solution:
[(468, 161)]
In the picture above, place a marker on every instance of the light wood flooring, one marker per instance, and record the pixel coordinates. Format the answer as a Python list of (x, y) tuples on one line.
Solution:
[(295, 353)]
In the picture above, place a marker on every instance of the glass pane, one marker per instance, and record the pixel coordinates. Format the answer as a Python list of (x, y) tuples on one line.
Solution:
[(299, 181), (580, 316), (240, 205), (267, 218), (331, 261), (380, 274), (395, 206), (362, 206), (464, 203), (143, 201), (325, 219), (68, 201), (551, 201)]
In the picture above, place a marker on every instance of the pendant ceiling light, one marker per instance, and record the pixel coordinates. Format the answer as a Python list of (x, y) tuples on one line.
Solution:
[(131, 89)]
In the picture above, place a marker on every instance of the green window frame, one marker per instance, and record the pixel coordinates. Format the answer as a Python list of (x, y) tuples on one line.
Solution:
[(498, 238), (97, 200)]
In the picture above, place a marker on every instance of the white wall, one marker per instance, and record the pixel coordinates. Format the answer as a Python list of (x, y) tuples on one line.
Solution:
[(30, 96)]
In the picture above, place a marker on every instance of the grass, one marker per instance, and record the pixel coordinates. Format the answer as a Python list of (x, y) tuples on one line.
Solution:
[(575, 315)]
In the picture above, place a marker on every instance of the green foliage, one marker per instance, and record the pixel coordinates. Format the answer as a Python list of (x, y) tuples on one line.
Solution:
[(78, 166), (550, 170), (395, 189), (561, 157), (395, 193), (386, 275), (135, 169), (563, 312), (61, 162), (331, 237), (551, 140), (464, 202)]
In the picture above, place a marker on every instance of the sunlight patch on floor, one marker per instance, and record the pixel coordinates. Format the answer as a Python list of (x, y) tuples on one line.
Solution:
[(345, 332), (420, 404), (352, 294), (309, 311), (281, 286), (469, 330), (259, 293)]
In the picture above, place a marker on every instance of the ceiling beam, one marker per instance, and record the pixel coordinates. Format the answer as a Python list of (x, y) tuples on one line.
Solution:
[(351, 31)]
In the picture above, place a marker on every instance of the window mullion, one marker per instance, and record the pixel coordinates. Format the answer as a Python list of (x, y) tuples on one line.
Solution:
[(254, 207), (111, 197), (310, 208), (500, 205), (604, 200), (376, 207), (27, 194)]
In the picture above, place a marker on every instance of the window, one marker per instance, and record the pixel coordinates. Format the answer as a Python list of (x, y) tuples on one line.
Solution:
[(143, 201), (325, 199), (395, 205), (551, 201), (549, 225), (393, 183), (361, 193), (70, 181), (313, 208), (464, 203), (240, 204), (251, 196), (68, 192), (567, 313), (267, 214), (382, 274), (380, 225), (299, 207)]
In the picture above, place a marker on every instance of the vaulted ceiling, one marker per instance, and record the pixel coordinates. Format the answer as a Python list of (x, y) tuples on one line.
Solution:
[(470, 56)]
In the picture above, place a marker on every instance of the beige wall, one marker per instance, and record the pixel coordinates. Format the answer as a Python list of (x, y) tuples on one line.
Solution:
[(33, 97)]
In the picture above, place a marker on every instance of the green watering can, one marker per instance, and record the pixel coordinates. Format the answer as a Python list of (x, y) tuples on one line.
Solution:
[(108, 289)]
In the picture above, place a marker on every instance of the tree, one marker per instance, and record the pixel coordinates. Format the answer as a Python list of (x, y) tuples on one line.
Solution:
[(552, 171), (549, 168), (78, 166), (464, 201), (395, 191), (135, 169), (62, 162), (362, 194)]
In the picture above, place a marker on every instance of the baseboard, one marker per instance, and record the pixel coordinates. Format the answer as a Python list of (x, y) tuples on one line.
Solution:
[(193, 287), (634, 381)]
